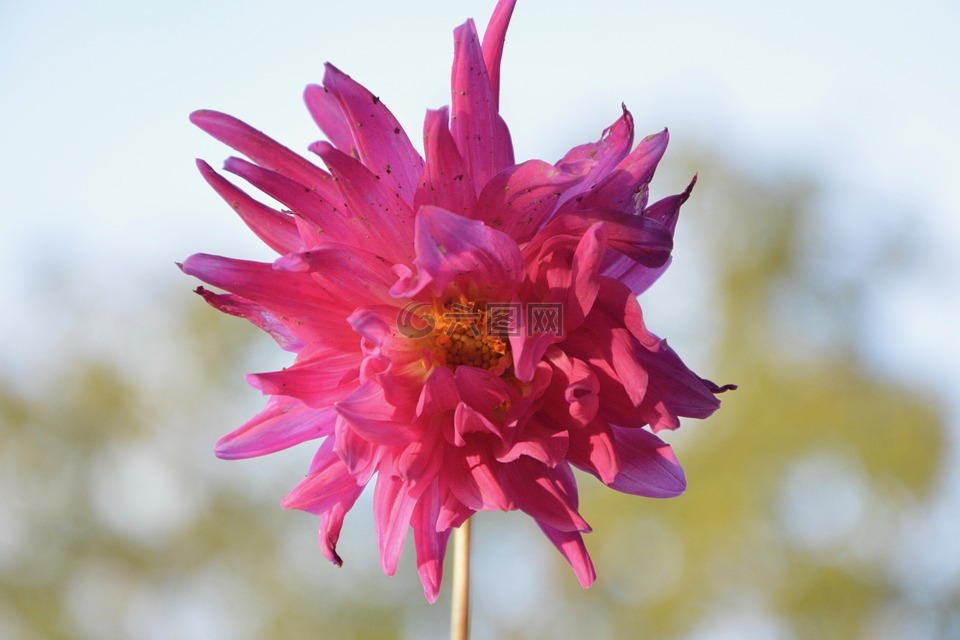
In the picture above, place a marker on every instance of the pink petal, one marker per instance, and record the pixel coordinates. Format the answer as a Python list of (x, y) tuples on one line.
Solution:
[(263, 150), (257, 315), (648, 466), (548, 495), (480, 133), (277, 230), (625, 189), (283, 423), (381, 212), (393, 507), (602, 156), (572, 399), (328, 483), (493, 38), (374, 419), (359, 454), (318, 382), (379, 140), (474, 479), (467, 420), (294, 298), (538, 441), (641, 239), (592, 448), (460, 256), (570, 544), (439, 393), (349, 274), (431, 544), (319, 217), (326, 112), (420, 461), (520, 199), (445, 182), (639, 277)]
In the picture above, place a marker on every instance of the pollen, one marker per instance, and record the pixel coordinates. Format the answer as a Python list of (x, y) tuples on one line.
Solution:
[(464, 334)]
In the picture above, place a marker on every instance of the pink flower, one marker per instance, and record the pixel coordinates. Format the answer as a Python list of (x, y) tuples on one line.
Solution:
[(466, 329)]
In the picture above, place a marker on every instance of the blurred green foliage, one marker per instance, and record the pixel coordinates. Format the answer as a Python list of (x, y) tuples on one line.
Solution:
[(117, 522)]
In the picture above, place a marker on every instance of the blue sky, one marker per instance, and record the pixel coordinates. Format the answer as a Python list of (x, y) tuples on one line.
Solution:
[(97, 171)]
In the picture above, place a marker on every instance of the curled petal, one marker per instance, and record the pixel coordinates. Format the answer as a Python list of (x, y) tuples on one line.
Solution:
[(373, 418), (292, 298), (257, 315), (625, 189), (601, 157), (648, 466), (328, 483), (456, 255), (520, 199), (548, 495)]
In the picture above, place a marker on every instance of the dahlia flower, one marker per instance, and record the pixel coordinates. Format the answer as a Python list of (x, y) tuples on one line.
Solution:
[(466, 328)]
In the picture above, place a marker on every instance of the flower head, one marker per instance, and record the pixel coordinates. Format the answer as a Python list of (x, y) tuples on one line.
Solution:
[(466, 328)]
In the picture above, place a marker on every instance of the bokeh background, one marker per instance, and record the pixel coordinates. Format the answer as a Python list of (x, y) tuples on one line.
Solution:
[(816, 266)]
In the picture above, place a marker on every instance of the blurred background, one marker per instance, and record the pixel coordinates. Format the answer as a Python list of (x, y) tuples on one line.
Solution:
[(816, 266)]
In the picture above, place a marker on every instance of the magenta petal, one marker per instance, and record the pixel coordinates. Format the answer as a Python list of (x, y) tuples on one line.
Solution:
[(353, 276), (478, 130), (521, 198), (601, 156), (392, 509), (648, 466), (263, 150), (445, 181), (380, 141), (548, 495), (570, 544), (257, 315), (456, 255), (592, 448), (293, 298), (493, 38), (375, 207), (282, 424), (320, 217), (625, 189), (328, 483), (439, 393), (277, 230), (373, 418), (539, 442), (431, 545), (326, 112), (359, 454), (475, 480), (319, 382)]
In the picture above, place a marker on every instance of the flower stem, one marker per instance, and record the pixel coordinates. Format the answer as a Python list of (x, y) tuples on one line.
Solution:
[(460, 608)]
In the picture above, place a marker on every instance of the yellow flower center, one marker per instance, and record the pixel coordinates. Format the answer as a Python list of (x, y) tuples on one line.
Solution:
[(467, 332)]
